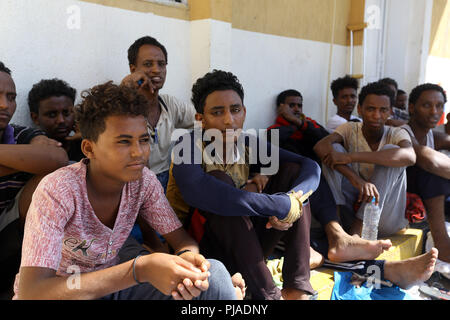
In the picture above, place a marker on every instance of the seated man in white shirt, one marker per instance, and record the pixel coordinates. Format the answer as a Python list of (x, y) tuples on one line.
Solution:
[(344, 97), (147, 59)]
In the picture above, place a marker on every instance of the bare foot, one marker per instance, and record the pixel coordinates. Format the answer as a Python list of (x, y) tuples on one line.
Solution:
[(239, 285), (315, 259), (294, 294), (411, 271), (350, 248)]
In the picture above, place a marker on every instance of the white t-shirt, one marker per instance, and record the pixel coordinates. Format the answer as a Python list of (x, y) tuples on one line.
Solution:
[(336, 120), (430, 136), (177, 115), (354, 141)]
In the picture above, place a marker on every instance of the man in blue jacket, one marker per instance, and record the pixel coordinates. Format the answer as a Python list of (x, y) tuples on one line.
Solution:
[(245, 207)]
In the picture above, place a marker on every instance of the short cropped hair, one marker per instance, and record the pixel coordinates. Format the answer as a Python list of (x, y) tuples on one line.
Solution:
[(342, 83), (134, 48), (400, 92), (378, 88), (417, 91), (217, 80), (106, 100), (389, 82), (49, 88), (3, 68), (287, 93)]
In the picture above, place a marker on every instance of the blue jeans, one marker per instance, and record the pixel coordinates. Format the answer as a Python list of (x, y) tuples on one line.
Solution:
[(220, 285)]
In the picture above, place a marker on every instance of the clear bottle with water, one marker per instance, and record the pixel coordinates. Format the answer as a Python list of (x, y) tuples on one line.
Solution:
[(371, 219)]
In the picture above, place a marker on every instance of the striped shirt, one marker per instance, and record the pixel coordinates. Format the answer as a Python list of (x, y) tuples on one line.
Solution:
[(11, 184)]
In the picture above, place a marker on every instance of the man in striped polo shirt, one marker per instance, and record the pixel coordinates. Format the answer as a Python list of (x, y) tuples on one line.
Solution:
[(26, 155)]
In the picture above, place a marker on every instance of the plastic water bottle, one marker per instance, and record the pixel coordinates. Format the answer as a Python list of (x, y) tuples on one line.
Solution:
[(372, 215)]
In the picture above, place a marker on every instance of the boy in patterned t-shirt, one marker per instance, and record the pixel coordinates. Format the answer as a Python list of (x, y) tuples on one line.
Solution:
[(82, 215)]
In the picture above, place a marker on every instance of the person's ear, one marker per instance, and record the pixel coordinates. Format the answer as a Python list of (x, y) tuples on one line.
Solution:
[(359, 110), (132, 68), (200, 118), (87, 147), (35, 118), (411, 108)]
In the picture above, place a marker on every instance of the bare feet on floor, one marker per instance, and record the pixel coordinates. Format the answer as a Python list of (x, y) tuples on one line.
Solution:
[(349, 248), (315, 259), (239, 285), (409, 272)]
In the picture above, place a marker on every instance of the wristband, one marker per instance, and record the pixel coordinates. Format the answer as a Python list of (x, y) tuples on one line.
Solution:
[(296, 209), (183, 251), (134, 270)]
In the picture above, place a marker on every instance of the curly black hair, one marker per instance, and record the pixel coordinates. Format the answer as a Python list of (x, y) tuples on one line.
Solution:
[(417, 91), (3, 68), (106, 100), (217, 80), (134, 48), (287, 93), (47, 88), (342, 83), (378, 88)]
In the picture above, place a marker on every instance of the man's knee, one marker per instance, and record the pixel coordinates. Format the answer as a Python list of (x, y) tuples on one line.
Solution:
[(222, 176), (339, 148), (389, 146), (220, 284)]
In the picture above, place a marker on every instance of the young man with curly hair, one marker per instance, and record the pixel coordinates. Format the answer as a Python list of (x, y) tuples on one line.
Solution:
[(429, 178), (345, 96), (81, 217), (246, 208), (26, 155), (51, 104)]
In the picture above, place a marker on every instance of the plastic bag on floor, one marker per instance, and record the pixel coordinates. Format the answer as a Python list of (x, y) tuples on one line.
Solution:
[(344, 290)]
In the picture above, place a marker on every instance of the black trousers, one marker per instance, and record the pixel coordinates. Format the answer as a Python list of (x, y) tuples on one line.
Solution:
[(243, 243)]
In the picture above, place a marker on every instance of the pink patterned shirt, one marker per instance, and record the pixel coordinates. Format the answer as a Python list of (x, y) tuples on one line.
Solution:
[(62, 230)]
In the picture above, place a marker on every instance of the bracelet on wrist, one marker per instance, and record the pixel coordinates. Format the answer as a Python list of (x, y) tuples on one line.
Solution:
[(134, 270), (183, 251)]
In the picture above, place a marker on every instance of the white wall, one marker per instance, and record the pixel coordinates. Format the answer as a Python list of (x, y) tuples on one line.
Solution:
[(406, 43), (438, 71), (44, 41), (37, 43), (267, 65)]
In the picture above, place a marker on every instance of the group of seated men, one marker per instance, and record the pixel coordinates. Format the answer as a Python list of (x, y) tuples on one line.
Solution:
[(79, 190)]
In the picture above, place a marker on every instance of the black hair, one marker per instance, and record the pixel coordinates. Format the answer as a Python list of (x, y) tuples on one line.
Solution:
[(3, 68), (287, 93), (217, 80), (417, 91), (389, 82), (400, 92), (47, 88), (134, 48), (342, 83), (378, 88), (103, 101)]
